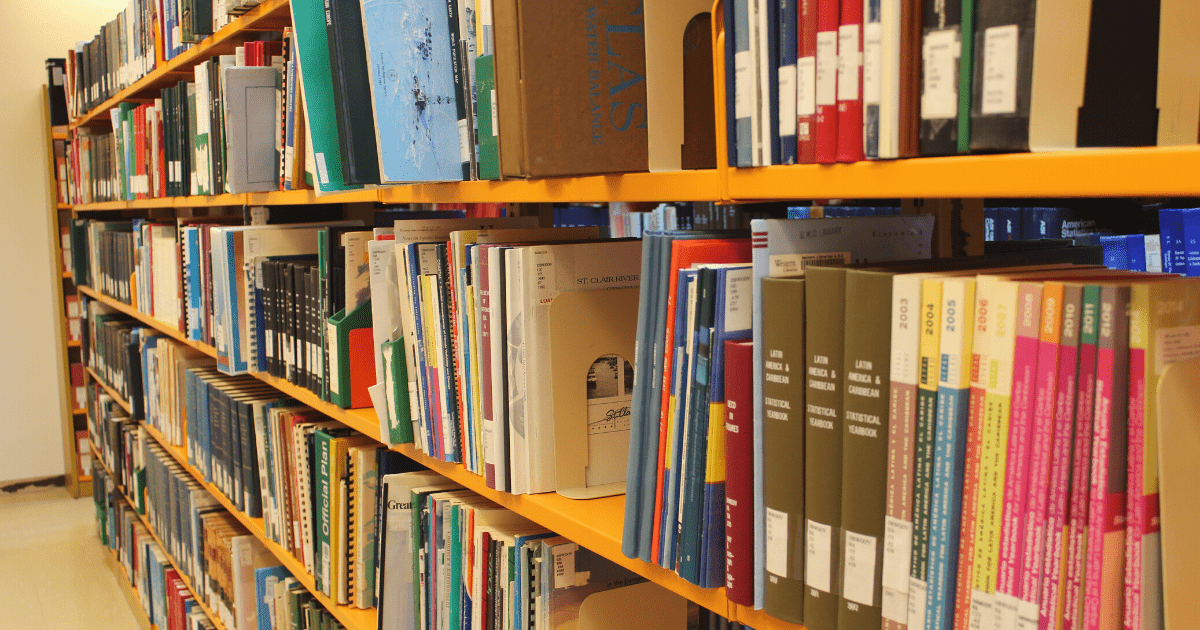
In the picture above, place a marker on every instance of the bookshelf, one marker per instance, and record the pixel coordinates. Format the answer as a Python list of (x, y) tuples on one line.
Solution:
[(78, 481), (597, 524), (131, 594)]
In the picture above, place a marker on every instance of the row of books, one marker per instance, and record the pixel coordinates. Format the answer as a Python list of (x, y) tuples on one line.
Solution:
[(110, 347), (841, 80), (162, 592), (977, 492), (228, 568), (142, 37), (223, 132)]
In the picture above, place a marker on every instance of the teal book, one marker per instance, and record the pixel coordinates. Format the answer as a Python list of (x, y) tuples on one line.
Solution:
[(312, 44)]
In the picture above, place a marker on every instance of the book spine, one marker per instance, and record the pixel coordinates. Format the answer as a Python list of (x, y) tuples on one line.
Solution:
[(1081, 463), (868, 328), (825, 298), (783, 440), (322, 562), (739, 486), (972, 462), (1020, 436), (949, 450), (872, 84), (850, 82), (786, 80), (1051, 606), (1104, 579), (806, 82), (902, 420), (827, 75), (927, 396), (743, 72), (1044, 399)]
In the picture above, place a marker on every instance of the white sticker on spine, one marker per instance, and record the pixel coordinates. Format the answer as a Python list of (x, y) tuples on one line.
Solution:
[(858, 569), (818, 556), (897, 557), (1000, 70), (872, 60), (848, 60), (787, 100), (777, 542), (918, 591), (827, 65), (806, 86), (939, 85), (742, 102)]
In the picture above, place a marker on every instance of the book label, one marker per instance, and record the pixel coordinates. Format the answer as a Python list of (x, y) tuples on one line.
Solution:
[(564, 566), (1005, 611), (897, 559), (793, 265), (872, 60), (334, 368), (848, 59), (742, 102), (918, 590), (1000, 70), (806, 88), (1027, 616), (777, 532), (1179, 343), (787, 100), (818, 557), (939, 91), (859, 569), (827, 67), (983, 610)]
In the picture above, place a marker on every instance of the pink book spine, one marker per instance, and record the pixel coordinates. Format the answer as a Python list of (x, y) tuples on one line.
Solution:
[(1060, 474), (1081, 464), (485, 362), (1039, 468), (1137, 519), (1020, 431)]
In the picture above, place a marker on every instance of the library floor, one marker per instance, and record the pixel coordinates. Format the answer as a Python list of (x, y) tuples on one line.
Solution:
[(53, 570)]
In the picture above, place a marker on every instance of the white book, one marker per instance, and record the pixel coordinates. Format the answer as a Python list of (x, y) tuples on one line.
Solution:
[(357, 269), (385, 310), (496, 338), (514, 357), (393, 584)]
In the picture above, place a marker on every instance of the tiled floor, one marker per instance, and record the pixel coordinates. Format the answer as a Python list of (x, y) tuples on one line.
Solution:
[(53, 573)]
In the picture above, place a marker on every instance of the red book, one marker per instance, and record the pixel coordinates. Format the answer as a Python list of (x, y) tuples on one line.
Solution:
[(828, 19), (849, 83), (806, 79), (684, 253), (139, 152), (739, 472)]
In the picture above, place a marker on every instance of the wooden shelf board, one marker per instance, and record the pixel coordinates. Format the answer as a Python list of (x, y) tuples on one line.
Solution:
[(187, 581), (111, 392), (127, 588), (64, 206), (1158, 171), (79, 412), (101, 206), (352, 618), (157, 324), (596, 524), (68, 275), (269, 15), (300, 197), (74, 344), (673, 186)]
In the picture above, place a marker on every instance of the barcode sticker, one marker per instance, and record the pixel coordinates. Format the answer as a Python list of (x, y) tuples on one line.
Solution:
[(334, 368), (848, 60), (777, 542), (1000, 70), (322, 172), (819, 556), (858, 568)]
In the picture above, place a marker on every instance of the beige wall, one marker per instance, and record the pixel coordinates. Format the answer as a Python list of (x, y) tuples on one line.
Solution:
[(30, 32)]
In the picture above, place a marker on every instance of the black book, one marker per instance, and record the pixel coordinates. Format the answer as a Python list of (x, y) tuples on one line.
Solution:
[(1008, 25), (462, 87), (56, 80), (351, 91), (1120, 98), (316, 351), (289, 330)]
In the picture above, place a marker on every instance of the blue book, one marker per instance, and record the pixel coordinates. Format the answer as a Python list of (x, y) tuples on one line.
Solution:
[(799, 212), (191, 245), (1035, 222), (1009, 227), (990, 217), (672, 466), (949, 453), (731, 323), (872, 16), (1170, 227), (1191, 241), (412, 90), (786, 80), (265, 580), (1116, 256), (744, 82), (1135, 252), (640, 425), (731, 141)]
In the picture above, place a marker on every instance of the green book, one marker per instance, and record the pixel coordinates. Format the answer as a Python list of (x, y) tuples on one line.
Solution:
[(486, 116), (312, 44), (966, 67)]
